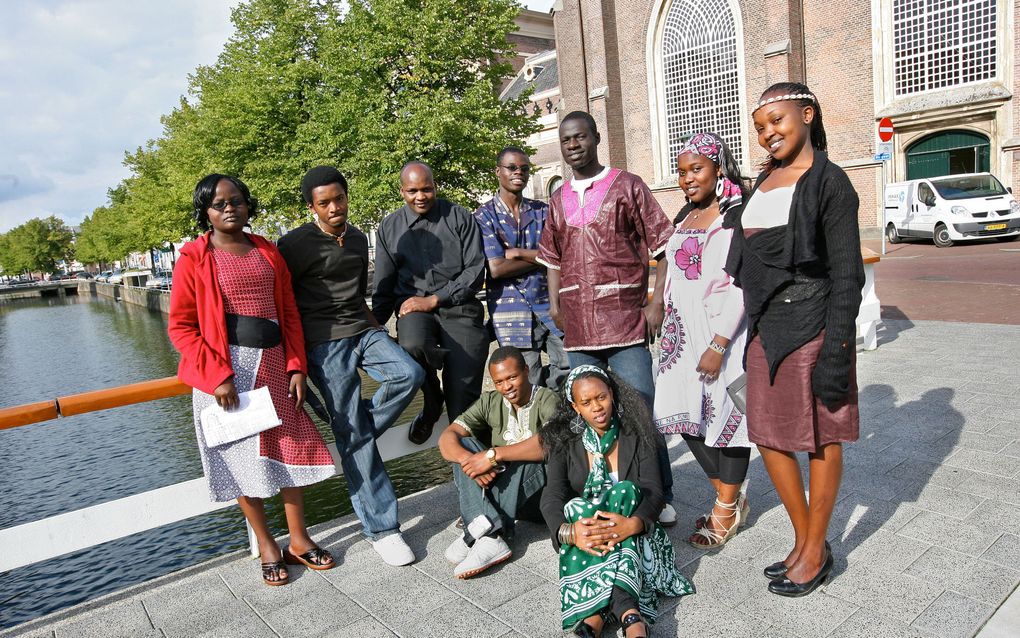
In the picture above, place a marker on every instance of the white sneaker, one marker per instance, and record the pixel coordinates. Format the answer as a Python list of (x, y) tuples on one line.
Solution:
[(457, 551), (668, 516), (485, 553), (394, 550)]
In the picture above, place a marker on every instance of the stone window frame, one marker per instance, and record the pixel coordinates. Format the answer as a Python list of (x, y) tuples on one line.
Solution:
[(993, 88), (665, 171)]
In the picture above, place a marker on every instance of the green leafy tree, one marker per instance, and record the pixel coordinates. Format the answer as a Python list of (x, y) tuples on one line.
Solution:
[(36, 246), (366, 85), (414, 80), (242, 114), (111, 232)]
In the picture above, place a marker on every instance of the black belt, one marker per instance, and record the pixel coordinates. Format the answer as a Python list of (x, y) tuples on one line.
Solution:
[(253, 332)]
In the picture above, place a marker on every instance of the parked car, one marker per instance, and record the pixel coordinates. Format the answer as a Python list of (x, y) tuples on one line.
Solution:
[(160, 280), (951, 209), (116, 277), (104, 276), (83, 274)]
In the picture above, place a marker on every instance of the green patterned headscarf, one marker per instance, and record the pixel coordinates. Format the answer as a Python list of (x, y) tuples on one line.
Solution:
[(568, 387)]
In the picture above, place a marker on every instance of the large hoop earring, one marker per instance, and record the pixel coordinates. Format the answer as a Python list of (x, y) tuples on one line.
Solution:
[(577, 424), (720, 187)]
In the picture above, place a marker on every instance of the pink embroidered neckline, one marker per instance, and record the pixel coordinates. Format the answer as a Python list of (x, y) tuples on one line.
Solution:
[(577, 215)]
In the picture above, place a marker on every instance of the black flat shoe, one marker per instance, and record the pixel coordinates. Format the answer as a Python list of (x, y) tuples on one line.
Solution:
[(786, 587), (420, 430), (775, 570), (778, 570)]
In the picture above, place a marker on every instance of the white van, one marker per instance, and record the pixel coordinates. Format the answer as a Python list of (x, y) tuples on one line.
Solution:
[(950, 209)]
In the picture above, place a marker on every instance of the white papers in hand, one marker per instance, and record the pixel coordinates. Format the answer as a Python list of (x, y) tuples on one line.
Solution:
[(255, 413)]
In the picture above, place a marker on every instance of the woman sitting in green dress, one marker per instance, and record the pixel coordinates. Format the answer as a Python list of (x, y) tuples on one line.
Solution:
[(602, 499)]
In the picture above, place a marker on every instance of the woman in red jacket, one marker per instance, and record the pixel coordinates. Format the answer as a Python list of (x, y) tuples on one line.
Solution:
[(235, 323)]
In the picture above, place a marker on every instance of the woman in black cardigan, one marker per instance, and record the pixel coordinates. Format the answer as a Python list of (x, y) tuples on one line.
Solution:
[(602, 500), (796, 254)]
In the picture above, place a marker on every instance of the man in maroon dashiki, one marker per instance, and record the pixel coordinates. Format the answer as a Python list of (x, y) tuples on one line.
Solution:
[(603, 226)]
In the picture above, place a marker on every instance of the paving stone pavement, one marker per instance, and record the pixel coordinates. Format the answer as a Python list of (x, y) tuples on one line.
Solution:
[(925, 535)]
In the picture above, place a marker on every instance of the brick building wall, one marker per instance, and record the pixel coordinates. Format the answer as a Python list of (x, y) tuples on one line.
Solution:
[(839, 69), (830, 45)]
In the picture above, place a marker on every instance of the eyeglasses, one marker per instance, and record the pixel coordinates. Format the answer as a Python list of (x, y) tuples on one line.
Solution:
[(222, 206), (513, 168)]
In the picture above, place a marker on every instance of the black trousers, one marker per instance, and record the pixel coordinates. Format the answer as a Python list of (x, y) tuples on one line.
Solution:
[(454, 340), (727, 464), (620, 602)]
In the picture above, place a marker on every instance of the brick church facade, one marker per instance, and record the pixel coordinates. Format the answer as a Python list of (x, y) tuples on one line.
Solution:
[(652, 72)]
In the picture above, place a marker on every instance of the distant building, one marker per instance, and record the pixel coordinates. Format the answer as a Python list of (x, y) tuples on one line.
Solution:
[(652, 72), (540, 74)]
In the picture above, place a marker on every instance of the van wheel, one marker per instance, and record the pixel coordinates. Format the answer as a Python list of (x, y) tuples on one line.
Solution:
[(941, 237), (891, 235)]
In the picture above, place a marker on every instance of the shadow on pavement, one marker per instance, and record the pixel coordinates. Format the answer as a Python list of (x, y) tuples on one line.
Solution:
[(896, 463)]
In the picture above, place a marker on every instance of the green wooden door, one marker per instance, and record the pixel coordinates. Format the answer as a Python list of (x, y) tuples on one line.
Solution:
[(948, 153)]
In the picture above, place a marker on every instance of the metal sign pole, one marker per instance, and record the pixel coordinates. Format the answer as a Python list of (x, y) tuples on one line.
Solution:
[(883, 208)]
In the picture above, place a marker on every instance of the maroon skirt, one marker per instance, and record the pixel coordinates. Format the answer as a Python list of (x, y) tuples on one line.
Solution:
[(786, 415)]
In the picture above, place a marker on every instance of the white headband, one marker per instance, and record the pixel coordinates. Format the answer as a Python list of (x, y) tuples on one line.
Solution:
[(788, 96)]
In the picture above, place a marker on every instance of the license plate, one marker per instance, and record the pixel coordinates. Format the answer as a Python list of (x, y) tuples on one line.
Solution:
[(995, 226)]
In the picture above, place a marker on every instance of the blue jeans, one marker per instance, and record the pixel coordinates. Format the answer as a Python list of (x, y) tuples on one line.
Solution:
[(357, 423), (553, 375), (520, 483), (633, 364)]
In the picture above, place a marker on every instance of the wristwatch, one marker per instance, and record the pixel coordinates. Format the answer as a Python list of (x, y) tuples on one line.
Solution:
[(491, 455)]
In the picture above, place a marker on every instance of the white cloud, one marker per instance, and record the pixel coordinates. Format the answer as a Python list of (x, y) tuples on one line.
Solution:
[(81, 82)]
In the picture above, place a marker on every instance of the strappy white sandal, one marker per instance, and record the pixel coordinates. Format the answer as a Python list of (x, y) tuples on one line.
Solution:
[(713, 539), (745, 510)]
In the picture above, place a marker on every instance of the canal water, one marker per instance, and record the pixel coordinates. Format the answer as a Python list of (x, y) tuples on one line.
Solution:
[(55, 347)]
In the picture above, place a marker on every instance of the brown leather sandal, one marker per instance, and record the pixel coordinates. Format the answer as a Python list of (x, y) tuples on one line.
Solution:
[(272, 574), (316, 558)]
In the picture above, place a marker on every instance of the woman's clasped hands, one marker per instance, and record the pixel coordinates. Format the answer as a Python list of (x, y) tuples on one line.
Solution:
[(599, 534)]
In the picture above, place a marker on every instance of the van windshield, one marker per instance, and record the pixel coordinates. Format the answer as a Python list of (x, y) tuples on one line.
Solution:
[(968, 186)]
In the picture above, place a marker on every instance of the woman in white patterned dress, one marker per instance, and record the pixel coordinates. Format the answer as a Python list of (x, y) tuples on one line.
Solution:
[(703, 336)]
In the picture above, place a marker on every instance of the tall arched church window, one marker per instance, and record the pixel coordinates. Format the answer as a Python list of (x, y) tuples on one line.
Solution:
[(698, 61), (942, 43)]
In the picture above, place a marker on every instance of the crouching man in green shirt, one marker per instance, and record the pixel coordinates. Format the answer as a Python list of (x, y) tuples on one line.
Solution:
[(497, 462)]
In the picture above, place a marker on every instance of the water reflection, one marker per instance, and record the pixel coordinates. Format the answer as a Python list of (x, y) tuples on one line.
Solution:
[(54, 347)]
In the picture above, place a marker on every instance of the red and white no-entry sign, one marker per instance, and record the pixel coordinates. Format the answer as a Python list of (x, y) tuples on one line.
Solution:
[(885, 129)]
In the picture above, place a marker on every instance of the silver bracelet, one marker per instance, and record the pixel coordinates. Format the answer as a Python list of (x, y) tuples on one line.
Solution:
[(563, 534), (716, 347)]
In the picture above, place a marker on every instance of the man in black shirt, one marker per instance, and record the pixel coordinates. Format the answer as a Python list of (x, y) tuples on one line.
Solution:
[(429, 266), (328, 262)]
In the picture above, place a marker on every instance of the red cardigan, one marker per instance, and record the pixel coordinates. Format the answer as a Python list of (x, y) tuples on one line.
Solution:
[(198, 325)]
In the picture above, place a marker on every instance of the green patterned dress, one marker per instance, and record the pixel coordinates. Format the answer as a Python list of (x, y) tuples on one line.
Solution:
[(643, 565)]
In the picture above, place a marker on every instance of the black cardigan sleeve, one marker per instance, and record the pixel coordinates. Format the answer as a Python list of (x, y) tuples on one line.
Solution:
[(557, 492), (830, 380)]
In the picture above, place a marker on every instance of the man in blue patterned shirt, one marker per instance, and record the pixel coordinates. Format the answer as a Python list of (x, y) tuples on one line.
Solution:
[(516, 289)]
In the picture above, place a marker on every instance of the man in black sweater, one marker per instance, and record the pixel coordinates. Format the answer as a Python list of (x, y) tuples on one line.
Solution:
[(328, 263), (429, 267)]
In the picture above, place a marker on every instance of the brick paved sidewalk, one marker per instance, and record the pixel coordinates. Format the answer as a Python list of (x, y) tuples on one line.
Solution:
[(925, 535)]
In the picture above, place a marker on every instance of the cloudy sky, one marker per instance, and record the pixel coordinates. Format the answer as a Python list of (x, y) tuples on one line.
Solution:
[(82, 81)]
